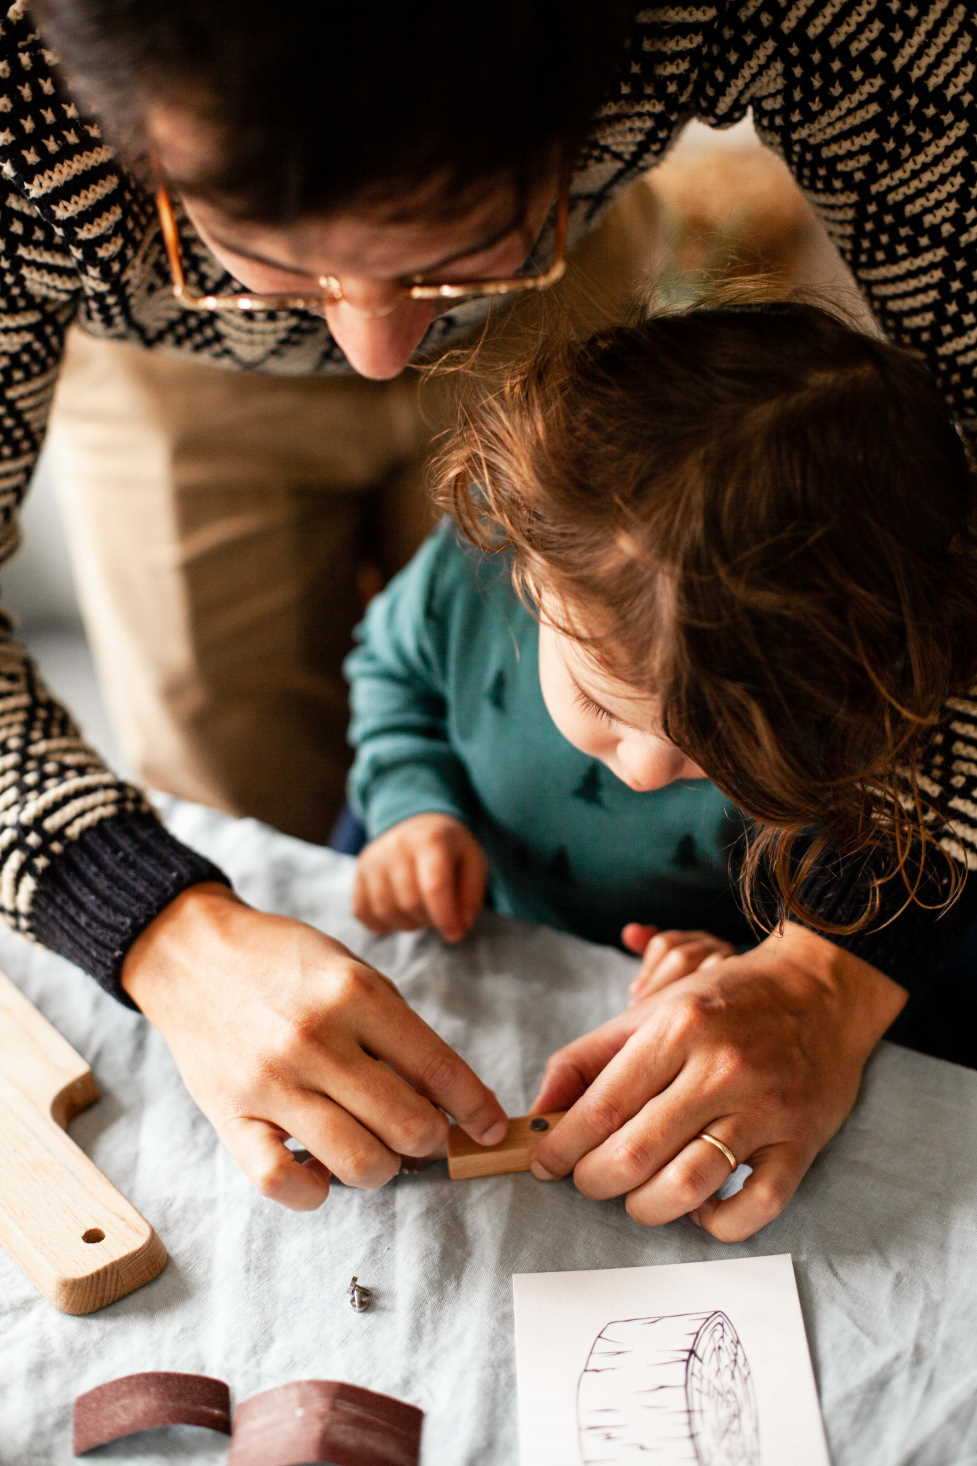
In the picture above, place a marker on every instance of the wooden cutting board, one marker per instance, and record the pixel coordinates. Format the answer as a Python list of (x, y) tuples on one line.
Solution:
[(74, 1235)]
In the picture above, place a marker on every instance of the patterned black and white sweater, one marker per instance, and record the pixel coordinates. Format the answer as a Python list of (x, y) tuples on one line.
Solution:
[(872, 103)]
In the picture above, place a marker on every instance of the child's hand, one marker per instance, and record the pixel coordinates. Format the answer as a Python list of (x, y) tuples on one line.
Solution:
[(669, 955), (427, 871)]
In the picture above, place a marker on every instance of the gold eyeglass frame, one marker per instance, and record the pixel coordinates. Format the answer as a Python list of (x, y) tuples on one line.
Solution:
[(331, 291)]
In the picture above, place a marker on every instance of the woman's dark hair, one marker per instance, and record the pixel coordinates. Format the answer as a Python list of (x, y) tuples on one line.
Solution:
[(315, 105), (764, 518)]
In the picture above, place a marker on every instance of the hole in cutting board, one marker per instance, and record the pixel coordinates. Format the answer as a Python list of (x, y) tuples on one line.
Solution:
[(94, 1234)]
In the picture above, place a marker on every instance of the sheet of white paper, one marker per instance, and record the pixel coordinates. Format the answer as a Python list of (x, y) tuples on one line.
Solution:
[(685, 1364)]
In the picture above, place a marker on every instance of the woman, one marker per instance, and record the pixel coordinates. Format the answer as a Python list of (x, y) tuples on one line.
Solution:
[(348, 161)]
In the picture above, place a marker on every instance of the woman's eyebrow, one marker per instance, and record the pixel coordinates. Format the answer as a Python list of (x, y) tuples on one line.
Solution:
[(472, 249), (515, 222), (260, 259)]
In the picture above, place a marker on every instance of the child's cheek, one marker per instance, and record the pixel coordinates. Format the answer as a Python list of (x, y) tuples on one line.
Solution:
[(577, 728), (589, 735)]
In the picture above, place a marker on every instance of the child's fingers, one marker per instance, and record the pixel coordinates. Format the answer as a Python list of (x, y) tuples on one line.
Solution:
[(428, 870), (674, 954), (664, 942), (636, 937), (472, 880), (684, 958), (386, 900), (659, 945), (372, 899), (360, 901), (713, 959), (679, 962), (377, 902), (437, 880), (452, 877), (259, 1149), (409, 908)]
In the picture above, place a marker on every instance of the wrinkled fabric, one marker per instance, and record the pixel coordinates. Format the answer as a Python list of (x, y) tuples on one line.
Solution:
[(883, 1230)]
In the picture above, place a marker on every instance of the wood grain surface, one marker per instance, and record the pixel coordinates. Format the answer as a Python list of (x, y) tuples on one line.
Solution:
[(466, 1158), (76, 1237)]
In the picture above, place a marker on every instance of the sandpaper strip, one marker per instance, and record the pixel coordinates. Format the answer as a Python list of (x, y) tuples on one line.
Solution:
[(321, 1420), (143, 1401)]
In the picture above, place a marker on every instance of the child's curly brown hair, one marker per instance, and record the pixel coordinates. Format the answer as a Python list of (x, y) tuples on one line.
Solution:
[(764, 518)]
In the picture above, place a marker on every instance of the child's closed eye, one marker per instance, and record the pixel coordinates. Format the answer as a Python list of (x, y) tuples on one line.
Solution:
[(589, 706)]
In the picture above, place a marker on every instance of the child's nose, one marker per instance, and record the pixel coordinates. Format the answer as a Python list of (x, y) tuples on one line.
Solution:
[(649, 764)]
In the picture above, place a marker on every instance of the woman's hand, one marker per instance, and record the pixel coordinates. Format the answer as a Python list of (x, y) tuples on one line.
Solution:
[(427, 871), (669, 955), (280, 1031), (764, 1051)]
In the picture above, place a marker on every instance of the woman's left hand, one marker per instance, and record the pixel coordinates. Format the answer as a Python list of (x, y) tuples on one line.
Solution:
[(764, 1051)]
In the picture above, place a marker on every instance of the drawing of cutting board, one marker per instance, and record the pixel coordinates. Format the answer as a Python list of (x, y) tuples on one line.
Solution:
[(74, 1235)]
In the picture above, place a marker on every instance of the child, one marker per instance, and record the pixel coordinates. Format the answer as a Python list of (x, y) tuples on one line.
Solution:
[(742, 539), (461, 772)]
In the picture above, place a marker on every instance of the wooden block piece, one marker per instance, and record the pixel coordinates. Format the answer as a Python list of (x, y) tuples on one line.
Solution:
[(466, 1158), (145, 1401)]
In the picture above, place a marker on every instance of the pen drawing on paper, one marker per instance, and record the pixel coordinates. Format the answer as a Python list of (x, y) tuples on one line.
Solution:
[(674, 1390)]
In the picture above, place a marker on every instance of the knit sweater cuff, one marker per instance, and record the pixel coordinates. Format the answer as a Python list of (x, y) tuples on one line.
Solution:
[(106, 887), (908, 942)]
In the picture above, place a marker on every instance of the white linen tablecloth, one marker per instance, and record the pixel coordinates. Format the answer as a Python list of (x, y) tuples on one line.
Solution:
[(883, 1231)]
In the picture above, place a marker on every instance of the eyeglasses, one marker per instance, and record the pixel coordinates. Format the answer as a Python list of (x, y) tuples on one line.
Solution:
[(330, 288)]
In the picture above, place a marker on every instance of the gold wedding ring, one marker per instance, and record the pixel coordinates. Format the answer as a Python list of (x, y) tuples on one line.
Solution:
[(704, 1135)]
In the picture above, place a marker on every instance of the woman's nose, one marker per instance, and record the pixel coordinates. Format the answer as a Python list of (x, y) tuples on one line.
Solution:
[(378, 328)]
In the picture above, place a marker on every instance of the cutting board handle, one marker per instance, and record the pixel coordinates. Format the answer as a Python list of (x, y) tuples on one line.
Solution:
[(75, 1236)]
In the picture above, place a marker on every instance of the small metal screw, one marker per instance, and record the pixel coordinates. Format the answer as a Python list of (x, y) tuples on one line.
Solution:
[(360, 1298), (539, 1122)]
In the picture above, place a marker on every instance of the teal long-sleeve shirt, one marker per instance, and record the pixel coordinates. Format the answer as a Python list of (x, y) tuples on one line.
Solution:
[(447, 715)]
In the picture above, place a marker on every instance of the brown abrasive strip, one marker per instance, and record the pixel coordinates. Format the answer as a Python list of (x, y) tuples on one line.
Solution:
[(321, 1420), (142, 1401)]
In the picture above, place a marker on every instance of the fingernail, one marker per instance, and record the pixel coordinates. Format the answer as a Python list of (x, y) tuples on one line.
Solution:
[(495, 1134), (541, 1173), (694, 1217)]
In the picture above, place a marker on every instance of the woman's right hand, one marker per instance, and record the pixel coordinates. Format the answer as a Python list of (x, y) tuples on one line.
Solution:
[(280, 1031)]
